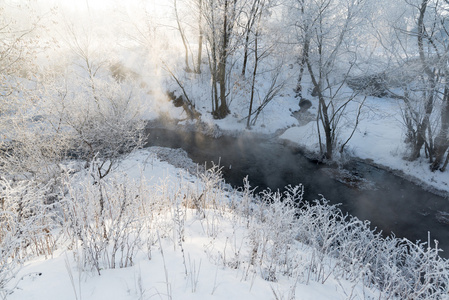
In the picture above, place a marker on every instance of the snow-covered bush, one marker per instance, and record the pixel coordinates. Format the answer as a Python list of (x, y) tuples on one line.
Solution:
[(105, 218), (26, 227), (213, 188), (102, 119), (26, 215), (115, 221), (410, 270), (349, 249), (334, 245), (29, 147), (272, 231)]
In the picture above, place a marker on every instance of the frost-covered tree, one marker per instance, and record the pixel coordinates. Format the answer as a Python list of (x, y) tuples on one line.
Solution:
[(101, 117), (262, 56), (325, 30), (433, 49), (26, 148), (417, 43), (220, 19)]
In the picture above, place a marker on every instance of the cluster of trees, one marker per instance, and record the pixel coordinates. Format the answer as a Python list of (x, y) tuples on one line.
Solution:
[(426, 93), (399, 50), (236, 40), (384, 49), (48, 116)]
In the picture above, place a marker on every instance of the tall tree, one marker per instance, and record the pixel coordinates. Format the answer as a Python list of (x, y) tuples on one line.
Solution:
[(220, 19), (183, 36), (324, 28), (200, 35), (423, 56)]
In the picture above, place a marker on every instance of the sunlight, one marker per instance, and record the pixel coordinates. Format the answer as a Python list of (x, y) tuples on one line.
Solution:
[(87, 4), (98, 5)]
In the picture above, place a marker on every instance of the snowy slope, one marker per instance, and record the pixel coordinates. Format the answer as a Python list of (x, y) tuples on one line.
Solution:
[(211, 262)]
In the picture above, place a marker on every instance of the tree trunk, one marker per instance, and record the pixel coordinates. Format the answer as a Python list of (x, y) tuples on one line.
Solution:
[(245, 53), (422, 127), (327, 129), (302, 63), (443, 168), (323, 113), (183, 37), (442, 139), (223, 110), (248, 29), (256, 58), (305, 51), (200, 36)]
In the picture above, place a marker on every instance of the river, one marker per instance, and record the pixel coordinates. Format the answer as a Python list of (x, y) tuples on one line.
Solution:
[(392, 204)]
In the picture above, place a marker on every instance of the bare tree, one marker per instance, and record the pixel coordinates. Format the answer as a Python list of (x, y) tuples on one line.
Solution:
[(200, 35), (440, 49), (27, 149), (262, 44), (102, 117), (220, 18), (303, 31), (252, 16), (424, 90), (325, 31), (183, 37)]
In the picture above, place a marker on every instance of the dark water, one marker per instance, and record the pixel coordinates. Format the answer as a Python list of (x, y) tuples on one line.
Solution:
[(393, 205)]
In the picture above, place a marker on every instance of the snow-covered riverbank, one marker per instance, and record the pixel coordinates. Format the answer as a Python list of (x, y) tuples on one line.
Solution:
[(198, 239)]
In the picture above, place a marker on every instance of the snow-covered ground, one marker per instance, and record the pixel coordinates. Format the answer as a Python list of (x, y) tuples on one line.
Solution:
[(208, 262), (192, 237)]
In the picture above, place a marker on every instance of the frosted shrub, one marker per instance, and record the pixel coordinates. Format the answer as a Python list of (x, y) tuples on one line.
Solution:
[(273, 230), (25, 216), (411, 271), (26, 226), (213, 187), (9, 261), (348, 248), (334, 245), (107, 218), (30, 147), (101, 118)]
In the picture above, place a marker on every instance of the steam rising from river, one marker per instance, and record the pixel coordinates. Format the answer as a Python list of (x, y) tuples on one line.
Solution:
[(136, 36)]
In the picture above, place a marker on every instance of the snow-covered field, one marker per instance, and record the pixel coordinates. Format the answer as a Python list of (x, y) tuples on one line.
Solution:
[(192, 237), (205, 257)]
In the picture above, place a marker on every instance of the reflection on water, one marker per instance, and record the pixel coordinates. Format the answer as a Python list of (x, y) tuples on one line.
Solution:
[(390, 203)]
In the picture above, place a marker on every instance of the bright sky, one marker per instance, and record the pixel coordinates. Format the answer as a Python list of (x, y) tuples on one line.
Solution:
[(91, 4), (102, 4)]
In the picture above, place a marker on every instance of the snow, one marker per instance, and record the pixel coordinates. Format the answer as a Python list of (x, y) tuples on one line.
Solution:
[(207, 264), (195, 270)]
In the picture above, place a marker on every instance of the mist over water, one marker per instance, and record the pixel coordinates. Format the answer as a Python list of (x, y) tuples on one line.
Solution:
[(392, 204)]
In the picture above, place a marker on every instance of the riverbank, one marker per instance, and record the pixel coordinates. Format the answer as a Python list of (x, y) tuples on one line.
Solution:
[(293, 137), (417, 172), (424, 184), (390, 203)]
